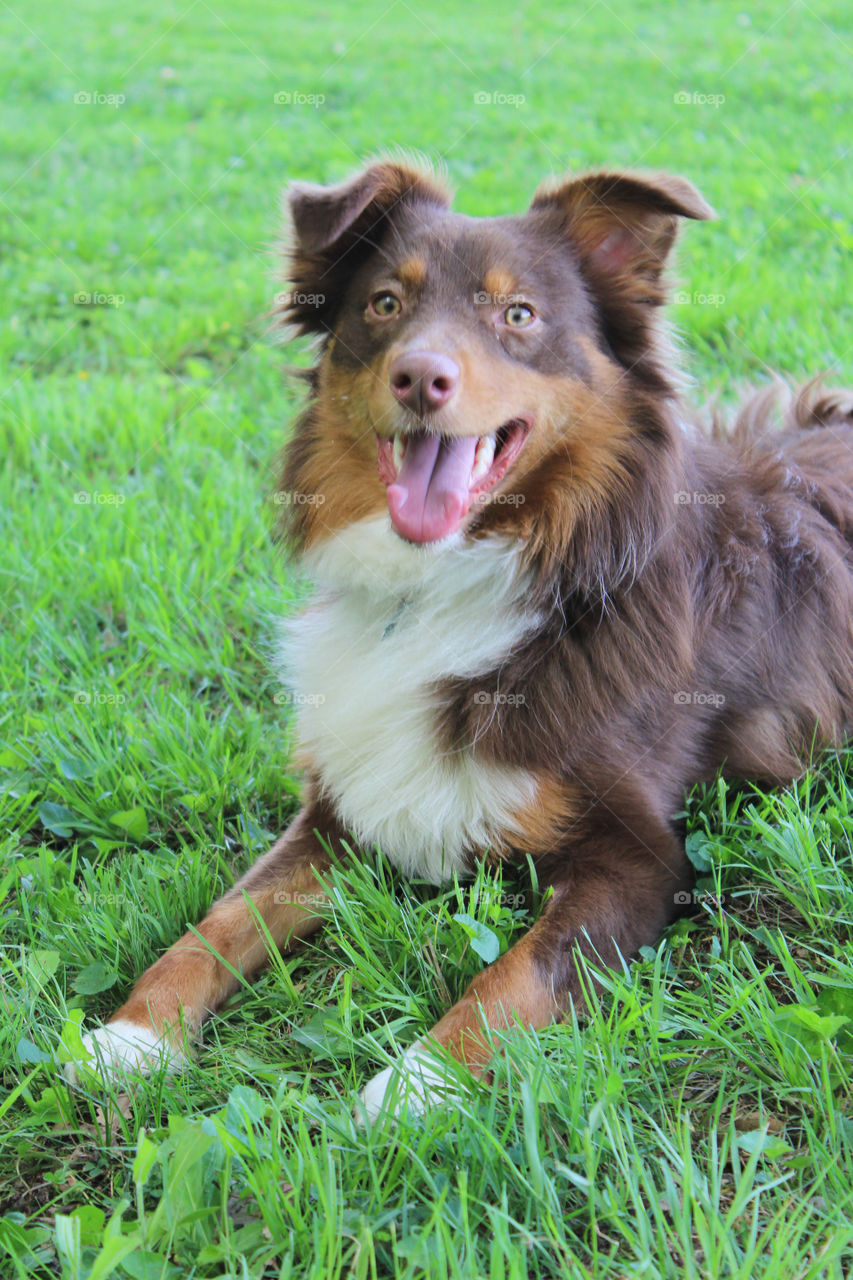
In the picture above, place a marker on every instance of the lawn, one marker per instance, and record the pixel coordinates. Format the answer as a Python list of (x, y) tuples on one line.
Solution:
[(698, 1122)]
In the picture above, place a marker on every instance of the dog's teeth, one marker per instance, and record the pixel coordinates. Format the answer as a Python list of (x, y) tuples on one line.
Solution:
[(483, 457), (398, 451)]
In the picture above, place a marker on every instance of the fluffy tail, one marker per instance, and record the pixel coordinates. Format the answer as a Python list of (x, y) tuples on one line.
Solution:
[(779, 408), (802, 441)]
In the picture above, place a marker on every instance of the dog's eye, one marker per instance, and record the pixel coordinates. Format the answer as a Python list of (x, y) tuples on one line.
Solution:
[(519, 315), (385, 304)]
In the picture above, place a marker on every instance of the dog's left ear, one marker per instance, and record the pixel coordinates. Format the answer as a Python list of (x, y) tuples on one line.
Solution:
[(622, 225)]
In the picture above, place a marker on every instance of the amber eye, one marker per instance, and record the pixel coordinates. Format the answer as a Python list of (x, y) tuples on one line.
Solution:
[(519, 315), (385, 304)]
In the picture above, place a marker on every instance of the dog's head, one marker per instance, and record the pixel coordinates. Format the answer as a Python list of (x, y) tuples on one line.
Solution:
[(476, 374)]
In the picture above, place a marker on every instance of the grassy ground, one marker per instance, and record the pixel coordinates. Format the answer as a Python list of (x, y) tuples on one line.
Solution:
[(700, 1123)]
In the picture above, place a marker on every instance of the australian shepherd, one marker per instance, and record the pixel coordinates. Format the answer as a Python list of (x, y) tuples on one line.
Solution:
[(547, 603)]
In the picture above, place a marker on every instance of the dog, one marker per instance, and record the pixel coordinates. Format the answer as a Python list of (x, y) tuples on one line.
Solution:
[(547, 604)]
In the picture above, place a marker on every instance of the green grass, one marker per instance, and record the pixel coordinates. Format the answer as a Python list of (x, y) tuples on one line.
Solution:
[(699, 1123)]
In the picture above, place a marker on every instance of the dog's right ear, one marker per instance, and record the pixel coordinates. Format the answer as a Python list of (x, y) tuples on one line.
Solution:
[(333, 228)]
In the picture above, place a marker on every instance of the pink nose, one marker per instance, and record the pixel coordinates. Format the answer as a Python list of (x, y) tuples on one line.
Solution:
[(423, 380)]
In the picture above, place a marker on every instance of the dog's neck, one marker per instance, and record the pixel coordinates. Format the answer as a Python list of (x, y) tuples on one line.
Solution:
[(368, 558)]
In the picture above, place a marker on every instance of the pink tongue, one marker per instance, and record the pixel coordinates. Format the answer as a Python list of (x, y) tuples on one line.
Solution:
[(430, 497)]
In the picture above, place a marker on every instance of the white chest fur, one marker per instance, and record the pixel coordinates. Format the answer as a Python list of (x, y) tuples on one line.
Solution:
[(391, 621)]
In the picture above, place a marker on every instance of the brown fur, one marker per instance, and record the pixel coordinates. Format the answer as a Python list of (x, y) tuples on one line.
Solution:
[(696, 591)]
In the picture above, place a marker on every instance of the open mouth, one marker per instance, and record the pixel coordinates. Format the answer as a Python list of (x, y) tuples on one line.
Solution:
[(433, 480)]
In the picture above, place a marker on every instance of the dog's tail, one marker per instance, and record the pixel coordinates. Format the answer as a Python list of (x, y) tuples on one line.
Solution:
[(780, 409), (802, 439)]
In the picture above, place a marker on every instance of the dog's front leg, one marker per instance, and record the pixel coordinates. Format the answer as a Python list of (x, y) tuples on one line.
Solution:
[(615, 889), (173, 997)]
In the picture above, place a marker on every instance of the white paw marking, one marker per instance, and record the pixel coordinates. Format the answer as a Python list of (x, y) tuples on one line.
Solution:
[(123, 1046), (415, 1083)]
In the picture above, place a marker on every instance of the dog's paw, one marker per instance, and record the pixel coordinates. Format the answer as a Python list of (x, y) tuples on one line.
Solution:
[(121, 1047), (416, 1083)]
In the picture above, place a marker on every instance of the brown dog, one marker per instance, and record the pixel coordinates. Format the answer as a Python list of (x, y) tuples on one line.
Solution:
[(547, 607)]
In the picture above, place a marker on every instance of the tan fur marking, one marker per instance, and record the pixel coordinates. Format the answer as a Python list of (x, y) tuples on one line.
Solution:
[(543, 823), (412, 273), (338, 482), (500, 284)]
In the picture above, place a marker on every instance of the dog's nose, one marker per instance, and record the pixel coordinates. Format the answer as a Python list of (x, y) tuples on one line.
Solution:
[(423, 380)]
